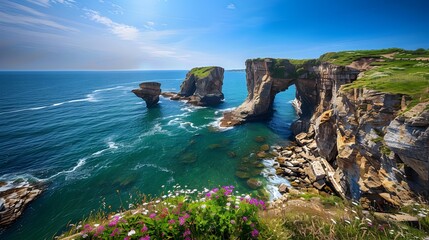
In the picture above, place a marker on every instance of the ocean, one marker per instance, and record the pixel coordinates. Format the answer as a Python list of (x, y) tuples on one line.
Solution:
[(93, 143)]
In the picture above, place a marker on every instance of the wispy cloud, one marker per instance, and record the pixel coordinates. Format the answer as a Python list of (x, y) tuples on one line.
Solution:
[(27, 16), (231, 6), (150, 25), (47, 3), (123, 31)]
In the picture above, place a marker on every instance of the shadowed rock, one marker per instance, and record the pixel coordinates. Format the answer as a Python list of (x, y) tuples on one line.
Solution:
[(149, 92), (202, 86)]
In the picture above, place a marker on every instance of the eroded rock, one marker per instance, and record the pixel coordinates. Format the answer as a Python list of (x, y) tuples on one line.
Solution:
[(149, 92)]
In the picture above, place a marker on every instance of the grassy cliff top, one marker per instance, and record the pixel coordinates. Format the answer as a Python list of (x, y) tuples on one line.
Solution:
[(201, 72), (392, 70)]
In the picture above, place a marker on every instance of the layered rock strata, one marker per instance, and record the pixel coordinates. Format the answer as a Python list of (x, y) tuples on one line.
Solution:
[(149, 92), (14, 200), (359, 143), (202, 87)]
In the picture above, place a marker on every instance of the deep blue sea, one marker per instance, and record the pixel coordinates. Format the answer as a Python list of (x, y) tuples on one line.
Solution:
[(89, 140)]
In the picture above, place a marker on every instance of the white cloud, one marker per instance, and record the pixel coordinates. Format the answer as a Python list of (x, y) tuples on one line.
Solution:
[(116, 9), (22, 8), (150, 25), (231, 6), (39, 21), (123, 31), (46, 3)]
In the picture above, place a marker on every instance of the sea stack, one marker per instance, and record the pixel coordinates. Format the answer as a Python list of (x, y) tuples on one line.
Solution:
[(202, 86), (149, 92)]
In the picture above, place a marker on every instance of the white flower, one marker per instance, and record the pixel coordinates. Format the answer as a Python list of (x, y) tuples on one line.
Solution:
[(347, 221), (164, 196), (333, 221), (247, 197), (85, 235), (228, 204), (203, 206), (132, 232), (96, 225), (157, 201)]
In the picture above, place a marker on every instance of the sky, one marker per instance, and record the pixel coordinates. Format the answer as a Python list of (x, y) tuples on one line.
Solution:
[(182, 34)]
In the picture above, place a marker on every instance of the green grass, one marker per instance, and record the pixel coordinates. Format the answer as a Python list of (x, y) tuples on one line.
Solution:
[(344, 58), (201, 72)]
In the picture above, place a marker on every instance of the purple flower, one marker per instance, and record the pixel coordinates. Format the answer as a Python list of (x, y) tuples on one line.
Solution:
[(114, 221), (144, 228), (182, 221), (171, 221), (187, 232), (115, 232), (215, 189), (208, 195), (127, 238), (245, 218), (255, 233), (145, 238), (152, 215), (186, 216)]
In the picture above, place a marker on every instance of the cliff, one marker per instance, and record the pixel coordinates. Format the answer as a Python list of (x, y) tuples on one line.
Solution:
[(362, 133), (202, 86)]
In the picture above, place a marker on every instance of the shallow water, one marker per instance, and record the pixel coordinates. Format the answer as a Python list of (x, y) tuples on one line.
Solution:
[(86, 137)]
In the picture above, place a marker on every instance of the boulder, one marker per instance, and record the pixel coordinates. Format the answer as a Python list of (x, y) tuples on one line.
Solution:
[(149, 92), (283, 188)]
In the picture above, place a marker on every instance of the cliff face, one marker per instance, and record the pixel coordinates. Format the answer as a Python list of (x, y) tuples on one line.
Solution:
[(203, 86), (372, 152)]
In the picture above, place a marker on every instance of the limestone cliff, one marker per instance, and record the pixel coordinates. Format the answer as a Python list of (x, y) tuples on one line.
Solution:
[(370, 148), (149, 92), (202, 86)]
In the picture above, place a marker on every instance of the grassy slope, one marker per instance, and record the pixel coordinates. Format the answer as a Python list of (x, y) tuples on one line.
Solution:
[(395, 71)]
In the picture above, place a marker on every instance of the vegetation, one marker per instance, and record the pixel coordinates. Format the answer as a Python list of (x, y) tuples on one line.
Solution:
[(393, 70), (201, 72), (221, 214)]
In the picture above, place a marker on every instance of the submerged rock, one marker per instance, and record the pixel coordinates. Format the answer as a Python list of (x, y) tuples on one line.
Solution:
[(149, 92), (254, 183)]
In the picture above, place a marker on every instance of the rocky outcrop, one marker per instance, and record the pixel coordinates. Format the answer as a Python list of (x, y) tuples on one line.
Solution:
[(14, 199), (149, 92), (202, 86), (264, 79)]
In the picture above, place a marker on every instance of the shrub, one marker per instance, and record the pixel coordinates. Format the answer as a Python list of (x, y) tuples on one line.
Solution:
[(184, 214)]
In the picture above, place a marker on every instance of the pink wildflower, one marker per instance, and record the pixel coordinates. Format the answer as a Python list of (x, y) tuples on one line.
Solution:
[(144, 228), (152, 215)]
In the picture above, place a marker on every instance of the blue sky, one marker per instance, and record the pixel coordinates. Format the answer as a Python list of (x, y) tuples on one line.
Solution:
[(181, 34)]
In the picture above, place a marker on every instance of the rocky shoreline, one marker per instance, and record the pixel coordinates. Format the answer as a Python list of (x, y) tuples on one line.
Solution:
[(15, 199)]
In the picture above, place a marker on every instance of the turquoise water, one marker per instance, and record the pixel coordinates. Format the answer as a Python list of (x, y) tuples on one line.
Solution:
[(86, 137)]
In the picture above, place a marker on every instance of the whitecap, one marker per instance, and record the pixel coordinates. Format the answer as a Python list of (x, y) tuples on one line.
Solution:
[(162, 169), (216, 124), (80, 163), (107, 89), (157, 129)]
